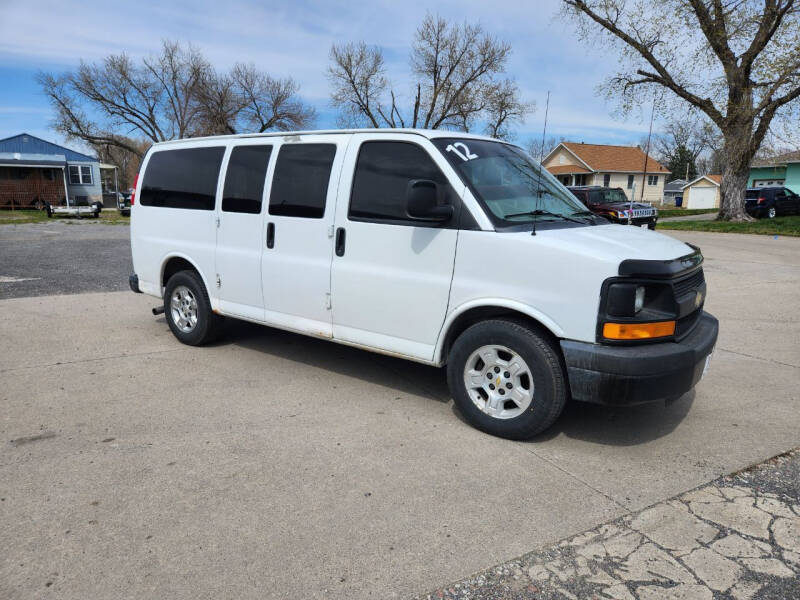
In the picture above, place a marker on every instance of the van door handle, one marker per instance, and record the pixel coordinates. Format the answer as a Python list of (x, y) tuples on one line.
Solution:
[(340, 239), (270, 235)]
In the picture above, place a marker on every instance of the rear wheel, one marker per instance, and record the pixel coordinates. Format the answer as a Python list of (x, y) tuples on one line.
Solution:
[(507, 379), (771, 212), (188, 310)]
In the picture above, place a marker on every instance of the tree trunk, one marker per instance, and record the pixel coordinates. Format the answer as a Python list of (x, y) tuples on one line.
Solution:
[(735, 173)]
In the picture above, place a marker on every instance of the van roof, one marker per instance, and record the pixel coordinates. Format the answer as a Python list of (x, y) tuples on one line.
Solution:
[(428, 133)]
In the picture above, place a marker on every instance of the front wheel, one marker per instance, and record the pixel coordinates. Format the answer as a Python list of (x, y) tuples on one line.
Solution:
[(188, 310), (507, 379)]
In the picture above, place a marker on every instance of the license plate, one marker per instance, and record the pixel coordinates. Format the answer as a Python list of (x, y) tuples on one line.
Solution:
[(644, 226)]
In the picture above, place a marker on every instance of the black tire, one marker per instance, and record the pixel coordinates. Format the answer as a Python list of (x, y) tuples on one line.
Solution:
[(209, 325), (544, 360), (49, 210)]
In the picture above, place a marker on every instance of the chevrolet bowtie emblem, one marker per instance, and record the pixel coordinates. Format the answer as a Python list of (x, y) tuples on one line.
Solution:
[(497, 382)]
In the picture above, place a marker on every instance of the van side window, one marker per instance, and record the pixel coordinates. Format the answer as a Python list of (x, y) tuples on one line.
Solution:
[(300, 183), (244, 179), (182, 178), (383, 171)]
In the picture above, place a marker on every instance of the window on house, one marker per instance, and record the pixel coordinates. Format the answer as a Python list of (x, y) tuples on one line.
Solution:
[(300, 182), (630, 182), (80, 174), (580, 179), (652, 180), (606, 180)]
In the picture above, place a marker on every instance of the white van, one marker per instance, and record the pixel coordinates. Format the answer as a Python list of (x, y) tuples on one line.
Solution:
[(439, 247)]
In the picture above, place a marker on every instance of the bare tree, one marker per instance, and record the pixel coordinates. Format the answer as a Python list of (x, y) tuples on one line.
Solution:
[(172, 95), (458, 71), (736, 61), (269, 103), (678, 146)]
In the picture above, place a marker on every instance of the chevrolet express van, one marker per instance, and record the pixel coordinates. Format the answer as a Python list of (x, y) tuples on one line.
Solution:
[(434, 246)]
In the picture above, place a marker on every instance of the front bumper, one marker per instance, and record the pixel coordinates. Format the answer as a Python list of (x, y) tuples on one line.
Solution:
[(638, 222), (623, 375)]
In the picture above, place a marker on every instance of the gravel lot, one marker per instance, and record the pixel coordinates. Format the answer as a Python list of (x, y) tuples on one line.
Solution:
[(43, 259)]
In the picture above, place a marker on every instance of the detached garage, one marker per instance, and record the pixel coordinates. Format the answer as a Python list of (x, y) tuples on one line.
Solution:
[(703, 192)]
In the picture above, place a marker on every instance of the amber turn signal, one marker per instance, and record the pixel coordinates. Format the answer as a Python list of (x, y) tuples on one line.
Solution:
[(638, 331)]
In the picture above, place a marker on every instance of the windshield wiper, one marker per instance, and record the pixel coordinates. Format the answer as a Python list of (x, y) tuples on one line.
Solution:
[(540, 212), (586, 213)]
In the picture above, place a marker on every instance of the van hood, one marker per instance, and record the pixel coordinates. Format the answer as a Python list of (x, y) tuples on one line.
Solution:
[(614, 243)]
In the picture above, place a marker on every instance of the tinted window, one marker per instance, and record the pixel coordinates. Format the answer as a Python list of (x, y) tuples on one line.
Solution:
[(751, 194), (244, 179), (182, 178), (381, 179), (300, 183)]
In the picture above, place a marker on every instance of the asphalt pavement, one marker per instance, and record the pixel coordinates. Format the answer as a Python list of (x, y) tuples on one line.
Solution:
[(63, 257), (270, 465)]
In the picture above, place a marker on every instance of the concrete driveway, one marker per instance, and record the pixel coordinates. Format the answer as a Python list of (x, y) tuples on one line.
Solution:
[(272, 465)]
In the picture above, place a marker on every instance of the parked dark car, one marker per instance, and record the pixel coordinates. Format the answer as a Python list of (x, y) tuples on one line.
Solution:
[(612, 204), (771, 202)]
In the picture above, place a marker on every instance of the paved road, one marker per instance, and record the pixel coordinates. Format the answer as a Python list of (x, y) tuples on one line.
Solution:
[(738, 537), (272, 465), (41, 259)]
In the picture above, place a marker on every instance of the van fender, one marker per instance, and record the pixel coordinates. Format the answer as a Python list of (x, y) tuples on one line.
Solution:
[(519, 307), (166, 258)]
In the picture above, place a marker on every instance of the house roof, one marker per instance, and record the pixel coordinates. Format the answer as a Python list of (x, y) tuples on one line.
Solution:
[(28, 159), (604, 157), (675, 185), (778, 161), (25, 143), (561, 169), (715, 179)]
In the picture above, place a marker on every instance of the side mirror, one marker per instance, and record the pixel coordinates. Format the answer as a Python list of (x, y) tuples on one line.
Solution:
[(422, 202)]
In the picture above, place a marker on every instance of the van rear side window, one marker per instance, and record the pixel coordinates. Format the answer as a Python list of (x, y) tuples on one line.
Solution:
[(244, 179), (300, 183), (182, 178)]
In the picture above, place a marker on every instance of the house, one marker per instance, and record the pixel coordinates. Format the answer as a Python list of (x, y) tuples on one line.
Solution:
[(608, 166), (780, 170), (703, 192), (34, 171), (674, 190)]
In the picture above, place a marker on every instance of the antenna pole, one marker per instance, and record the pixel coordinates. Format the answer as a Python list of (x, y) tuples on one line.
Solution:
[(541, 158)]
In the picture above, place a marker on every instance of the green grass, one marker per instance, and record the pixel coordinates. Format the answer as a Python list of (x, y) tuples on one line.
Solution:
[(684, 212), (108, 216), (789, 226)]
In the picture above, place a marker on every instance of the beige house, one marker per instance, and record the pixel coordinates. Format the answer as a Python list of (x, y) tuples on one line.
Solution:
[(703, 192), (608, 166)]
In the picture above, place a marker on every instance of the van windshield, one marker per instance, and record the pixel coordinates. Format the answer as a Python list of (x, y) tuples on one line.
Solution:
[(508, 182)]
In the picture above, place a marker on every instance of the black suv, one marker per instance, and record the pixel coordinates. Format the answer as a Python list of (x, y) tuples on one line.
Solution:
[(612, 204), (771, 202)]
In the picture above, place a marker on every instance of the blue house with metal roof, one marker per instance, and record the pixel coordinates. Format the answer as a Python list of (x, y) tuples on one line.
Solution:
[(35, 172)]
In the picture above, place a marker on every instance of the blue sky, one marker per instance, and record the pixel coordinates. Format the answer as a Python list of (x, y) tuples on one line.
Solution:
[(294, 38)]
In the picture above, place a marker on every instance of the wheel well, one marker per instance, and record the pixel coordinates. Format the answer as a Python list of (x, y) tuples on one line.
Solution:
[(483, 313), (175, 264)]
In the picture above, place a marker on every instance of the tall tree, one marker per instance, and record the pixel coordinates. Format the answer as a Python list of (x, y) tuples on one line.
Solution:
[(736, 61), (174, 94), (459, 82), (679, 145)]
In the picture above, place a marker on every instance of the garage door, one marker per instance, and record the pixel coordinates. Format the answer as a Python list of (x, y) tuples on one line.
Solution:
[(702, 197)]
